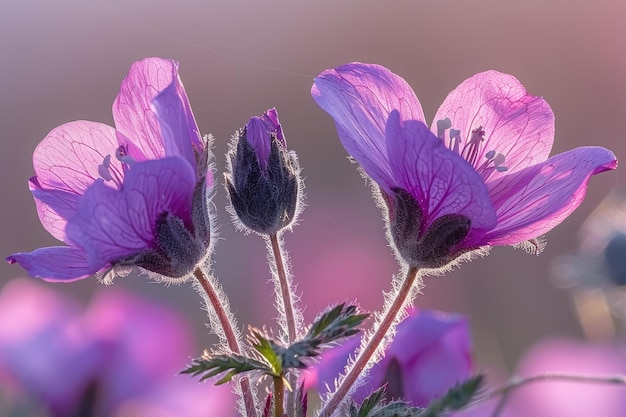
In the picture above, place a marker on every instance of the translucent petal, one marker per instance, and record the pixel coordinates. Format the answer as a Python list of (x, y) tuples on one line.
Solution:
[(178, 125), (531, 202), (132, 108), (516, 124), (359, 97), (66, 162)]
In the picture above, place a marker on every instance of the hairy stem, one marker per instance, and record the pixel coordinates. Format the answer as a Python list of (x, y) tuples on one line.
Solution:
[(290, 319), (284, 287), (506, 390), (279, 393), (374, 344), (229, 335)]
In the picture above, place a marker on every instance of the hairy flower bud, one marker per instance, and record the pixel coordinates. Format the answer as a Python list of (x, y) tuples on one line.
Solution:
[(263, 179)]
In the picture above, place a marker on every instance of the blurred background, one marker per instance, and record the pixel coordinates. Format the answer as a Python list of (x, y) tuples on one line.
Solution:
[(63, 61)]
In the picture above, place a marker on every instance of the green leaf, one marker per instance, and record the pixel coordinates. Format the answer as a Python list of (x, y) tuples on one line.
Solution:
[(337, 323), (269, 350), (212, 365), (459, 396), (375, 405), (456, 398)]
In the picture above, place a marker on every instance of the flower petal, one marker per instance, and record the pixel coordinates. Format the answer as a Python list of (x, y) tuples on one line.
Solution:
[(440, 180), (178, 125), (112, 224), (56, 263), (132, 110), (359, 97), (516, 124), (66, 163), (259, 138), (531, 202), (54, 207)]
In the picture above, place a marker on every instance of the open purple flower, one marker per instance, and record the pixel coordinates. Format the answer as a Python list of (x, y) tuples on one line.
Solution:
[(133, 195), (430, 353), (480, 176)]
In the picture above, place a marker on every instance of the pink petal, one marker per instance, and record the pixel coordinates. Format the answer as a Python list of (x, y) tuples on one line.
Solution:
[(112, 224), (360, 97), (531, 202), (57, 263), (178, 125), (441, 181), (132, 110), (516, 124), (67, 160)]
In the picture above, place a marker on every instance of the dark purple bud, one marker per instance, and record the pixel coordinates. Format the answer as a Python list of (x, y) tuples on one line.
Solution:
[(263, 179)]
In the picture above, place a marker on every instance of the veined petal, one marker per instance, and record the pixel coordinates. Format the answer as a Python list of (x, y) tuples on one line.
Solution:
[(531, 202), (178, 125), (56, 263), (440, 180), (54, 207), (112, 224), (132, 108), (66, 163), (360, 97), (516, 124)]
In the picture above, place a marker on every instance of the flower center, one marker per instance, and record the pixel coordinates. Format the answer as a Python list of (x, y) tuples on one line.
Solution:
[(471, 148), (111, 173)]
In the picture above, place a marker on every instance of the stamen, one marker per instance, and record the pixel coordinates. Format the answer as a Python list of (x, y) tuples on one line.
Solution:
[(498, 161), (109, 173), (103, 169), (442, 125), (455, 135), (470, 150)]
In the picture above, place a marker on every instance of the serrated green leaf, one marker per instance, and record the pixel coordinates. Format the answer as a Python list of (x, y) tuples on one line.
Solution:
[(372, 400), (337, 323), (456, 398), (269, 350), (212, 365), (375, 405)]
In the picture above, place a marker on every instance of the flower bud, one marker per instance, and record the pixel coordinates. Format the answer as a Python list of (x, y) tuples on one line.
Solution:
[(263, 178)]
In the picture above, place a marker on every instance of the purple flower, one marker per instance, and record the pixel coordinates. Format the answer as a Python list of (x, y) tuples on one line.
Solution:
[(117, 357), (430, 353), (133, 195), (480, 176), (263, 179)]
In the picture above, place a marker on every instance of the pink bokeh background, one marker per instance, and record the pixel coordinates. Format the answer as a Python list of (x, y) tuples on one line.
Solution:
[(64, 60)]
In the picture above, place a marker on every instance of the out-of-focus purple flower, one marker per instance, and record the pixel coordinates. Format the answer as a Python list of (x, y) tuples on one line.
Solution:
[(430, 353), (133, 195), (570, 399), (120, 355), (480, 176), (263, 176), (45, 351)]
